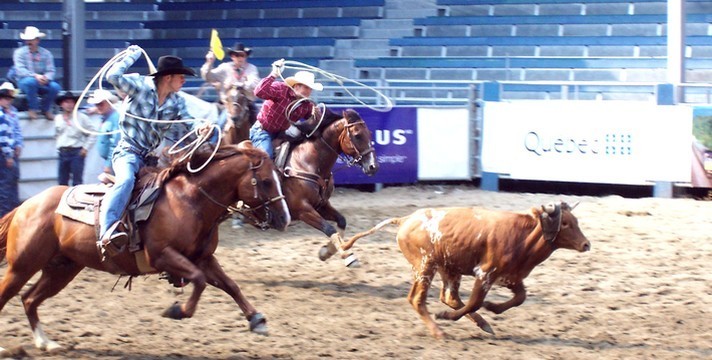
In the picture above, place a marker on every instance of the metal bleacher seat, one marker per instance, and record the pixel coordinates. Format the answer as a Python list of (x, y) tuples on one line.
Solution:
[(272, 9), (343, 27)]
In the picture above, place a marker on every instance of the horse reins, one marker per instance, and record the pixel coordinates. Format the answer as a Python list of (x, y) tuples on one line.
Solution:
[(242, 208)]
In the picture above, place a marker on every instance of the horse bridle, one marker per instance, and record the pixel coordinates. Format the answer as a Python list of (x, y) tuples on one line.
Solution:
[(235, 102), (241, 208), (359, 155)]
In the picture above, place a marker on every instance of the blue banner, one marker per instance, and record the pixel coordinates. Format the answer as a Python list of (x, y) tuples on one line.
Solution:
[(395, 141)]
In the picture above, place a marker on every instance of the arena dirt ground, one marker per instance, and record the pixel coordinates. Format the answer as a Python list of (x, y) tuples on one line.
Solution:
[(643, 292)]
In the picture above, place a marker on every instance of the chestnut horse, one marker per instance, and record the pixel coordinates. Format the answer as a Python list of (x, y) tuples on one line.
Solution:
[(179, 238), (308, 182)]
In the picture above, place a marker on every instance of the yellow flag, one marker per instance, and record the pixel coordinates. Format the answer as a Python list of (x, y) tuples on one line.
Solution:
[(216, 45)]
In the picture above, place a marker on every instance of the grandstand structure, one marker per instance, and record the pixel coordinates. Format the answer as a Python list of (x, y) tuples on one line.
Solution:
[(418, 52)]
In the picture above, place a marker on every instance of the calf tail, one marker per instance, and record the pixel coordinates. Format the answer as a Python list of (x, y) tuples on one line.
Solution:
[(352, 240), (4, 230)]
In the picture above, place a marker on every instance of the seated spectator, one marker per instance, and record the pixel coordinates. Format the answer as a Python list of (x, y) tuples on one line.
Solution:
[(35, 70)]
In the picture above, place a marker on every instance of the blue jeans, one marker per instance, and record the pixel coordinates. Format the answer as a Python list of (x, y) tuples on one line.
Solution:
[(9, 177), (33, 90), (126, 165), (261, 138), (71, 162)]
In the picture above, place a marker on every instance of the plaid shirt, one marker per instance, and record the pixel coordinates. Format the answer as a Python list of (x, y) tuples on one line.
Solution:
[(144, 136), (11, 114), (278, 96), (28, 63), (7, 144)]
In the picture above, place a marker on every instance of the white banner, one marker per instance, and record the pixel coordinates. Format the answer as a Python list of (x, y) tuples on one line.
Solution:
[(585, 141), (444, 144)]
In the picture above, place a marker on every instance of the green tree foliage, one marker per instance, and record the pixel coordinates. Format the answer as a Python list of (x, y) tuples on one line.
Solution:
[(702, 130)]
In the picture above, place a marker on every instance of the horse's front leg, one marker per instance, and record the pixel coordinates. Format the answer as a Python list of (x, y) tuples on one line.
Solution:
[(216, 276), (174, 263), (315, 220)]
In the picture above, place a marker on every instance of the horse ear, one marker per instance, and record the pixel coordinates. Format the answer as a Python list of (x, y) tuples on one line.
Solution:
[(245, 144)]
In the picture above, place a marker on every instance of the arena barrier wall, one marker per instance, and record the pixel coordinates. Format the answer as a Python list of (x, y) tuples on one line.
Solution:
[(588, 142)]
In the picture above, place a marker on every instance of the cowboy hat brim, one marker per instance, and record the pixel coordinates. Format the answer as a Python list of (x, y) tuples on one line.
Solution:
[(59, 99), (291, 81), (247, 51), (184, 71)]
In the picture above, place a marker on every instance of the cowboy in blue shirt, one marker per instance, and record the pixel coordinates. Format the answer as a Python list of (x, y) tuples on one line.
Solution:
[(151, 97)]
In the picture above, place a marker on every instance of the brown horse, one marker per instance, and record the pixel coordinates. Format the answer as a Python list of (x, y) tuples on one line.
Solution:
[(237, 112), (308, 182), (179, 238)]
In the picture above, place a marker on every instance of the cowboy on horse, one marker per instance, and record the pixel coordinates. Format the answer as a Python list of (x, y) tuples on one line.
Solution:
[(152, 97), (237, 73), (282, 99)]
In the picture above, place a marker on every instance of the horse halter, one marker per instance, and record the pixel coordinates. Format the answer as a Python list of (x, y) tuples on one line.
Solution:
[(244, 209), (359, 155), (234, 101)]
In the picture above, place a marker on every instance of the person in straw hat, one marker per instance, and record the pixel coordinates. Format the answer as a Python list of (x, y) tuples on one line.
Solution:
[(73, 142), (272, 118), (237, 72), (150, 97), (11, 147), (104, 102), (35, 71)]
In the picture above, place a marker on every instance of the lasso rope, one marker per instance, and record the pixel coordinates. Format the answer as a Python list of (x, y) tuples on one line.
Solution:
[(340, 80), (193, 146)]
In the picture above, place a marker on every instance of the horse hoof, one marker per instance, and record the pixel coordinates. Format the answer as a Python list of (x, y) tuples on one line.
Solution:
[(326, 252), (258, 324), (352, 262), (173, 312)]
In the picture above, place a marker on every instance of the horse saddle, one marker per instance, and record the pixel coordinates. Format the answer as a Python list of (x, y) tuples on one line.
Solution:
[(82, 203), (281, 152)]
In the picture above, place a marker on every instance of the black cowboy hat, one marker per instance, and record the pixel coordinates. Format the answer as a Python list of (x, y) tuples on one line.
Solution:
[(169, 64), (239, 48), (64, 95)]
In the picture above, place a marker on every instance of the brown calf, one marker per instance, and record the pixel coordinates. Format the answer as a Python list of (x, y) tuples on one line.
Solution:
[(496, 247)]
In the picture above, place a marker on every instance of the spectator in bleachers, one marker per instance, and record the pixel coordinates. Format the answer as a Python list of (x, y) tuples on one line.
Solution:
[(237, 72), (272, 118), (11, 147), (34, 72), (104, 102), (73, 143)]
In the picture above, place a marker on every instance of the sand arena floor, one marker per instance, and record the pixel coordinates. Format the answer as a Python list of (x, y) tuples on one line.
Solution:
[(644, 291)]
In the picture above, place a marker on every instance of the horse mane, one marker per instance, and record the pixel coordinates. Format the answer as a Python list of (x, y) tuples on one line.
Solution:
[(157, 176), (331, 117)]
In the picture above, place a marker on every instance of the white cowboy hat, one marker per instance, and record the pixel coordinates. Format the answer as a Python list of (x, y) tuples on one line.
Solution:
[(32, 33), (304, 78), (8, 90), (100, 95)]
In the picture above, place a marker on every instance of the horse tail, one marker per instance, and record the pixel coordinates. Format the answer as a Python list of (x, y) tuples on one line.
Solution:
[(382, 224), (4, 230)]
